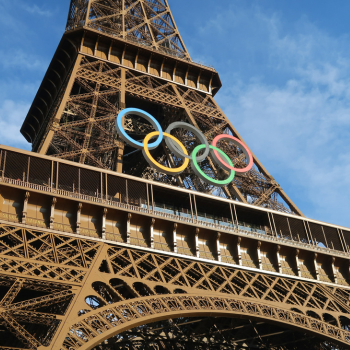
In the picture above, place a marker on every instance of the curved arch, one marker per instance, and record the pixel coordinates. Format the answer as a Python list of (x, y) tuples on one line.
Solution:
[(161, 290), (313, 314), (179, 291), (344, 322), (86, 333), (121, 287), (94, 302), (297, 310), (105, 292), (142, 289), (329, 319)]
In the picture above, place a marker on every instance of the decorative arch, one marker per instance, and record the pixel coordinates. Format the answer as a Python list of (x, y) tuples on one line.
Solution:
[(92, 328)]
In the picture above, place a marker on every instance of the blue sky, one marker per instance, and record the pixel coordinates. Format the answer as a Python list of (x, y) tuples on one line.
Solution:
[(285, 70)]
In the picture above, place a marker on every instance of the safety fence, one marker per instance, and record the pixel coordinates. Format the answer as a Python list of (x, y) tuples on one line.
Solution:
[(73, 180)]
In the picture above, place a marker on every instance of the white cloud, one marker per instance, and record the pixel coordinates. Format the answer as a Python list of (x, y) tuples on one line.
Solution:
[(294, 109), (20, 59), (12, 115), (36, 10)]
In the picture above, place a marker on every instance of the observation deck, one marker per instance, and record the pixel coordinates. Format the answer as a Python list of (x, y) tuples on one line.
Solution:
[(50, 194)]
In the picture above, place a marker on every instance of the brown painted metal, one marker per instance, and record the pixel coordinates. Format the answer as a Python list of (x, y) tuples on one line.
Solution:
[(93, 251), (82, 260), (130, 54), (80, 292)]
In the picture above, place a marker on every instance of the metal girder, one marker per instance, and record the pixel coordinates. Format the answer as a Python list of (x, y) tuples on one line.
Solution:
[(103, 287), (89, 121), (69, 291)]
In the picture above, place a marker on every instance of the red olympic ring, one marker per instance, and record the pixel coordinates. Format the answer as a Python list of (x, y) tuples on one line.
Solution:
[(239, 143)]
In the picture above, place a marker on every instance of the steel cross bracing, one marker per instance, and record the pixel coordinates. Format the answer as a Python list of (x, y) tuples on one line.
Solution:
[(97, 71), (63, 292), (110, 266), (97, 258), (85, 131), (144, 22)]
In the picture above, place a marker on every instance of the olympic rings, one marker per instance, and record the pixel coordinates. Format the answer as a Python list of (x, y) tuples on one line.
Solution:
[(218, 160), (151, 161), (219, 157), (142, 114), (174, 148), (198, 171)]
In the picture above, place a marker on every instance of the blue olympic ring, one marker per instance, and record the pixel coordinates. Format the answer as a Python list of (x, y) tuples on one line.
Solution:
[(144, 115)]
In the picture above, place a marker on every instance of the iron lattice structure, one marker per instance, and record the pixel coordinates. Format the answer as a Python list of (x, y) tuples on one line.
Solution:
[(69, 293), (127, 53), (90, 260), (99, 251)]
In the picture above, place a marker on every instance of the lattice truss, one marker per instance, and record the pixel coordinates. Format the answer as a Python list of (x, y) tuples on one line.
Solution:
[(146, 22), (68, 293), (135, 287), (38, 272), (86, 132), (220, 333)]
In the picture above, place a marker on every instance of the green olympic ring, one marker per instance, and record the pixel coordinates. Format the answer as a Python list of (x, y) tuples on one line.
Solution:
[(199, 172)]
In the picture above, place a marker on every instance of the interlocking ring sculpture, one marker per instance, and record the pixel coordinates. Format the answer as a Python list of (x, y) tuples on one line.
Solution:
[(176, 147)]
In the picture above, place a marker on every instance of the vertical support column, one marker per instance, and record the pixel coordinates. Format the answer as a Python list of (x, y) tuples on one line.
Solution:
[(52, 213), (123, 55), (234, 216), (152, 198), (297, 261), (3, 170), (239, 255), (197, 242), (198, 79), (308, 235), (104, 217), (161, 68), (123, 19), (174, 72), (342, 240), (324, 236), (192, 212), (312, 238), (120, 153), (28, 170), (128, 228), (122, 105), (80, 205), (174, 239), (149, 64), (316, 267), (152, 233), (218, 250), (195, 207), (186, 76), (335, 278), (52, 169), (259, 255), (25, 207), (278, 248), (274, 229)]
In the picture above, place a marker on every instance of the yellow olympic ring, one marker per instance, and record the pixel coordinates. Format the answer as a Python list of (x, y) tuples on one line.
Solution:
[(160, 167)]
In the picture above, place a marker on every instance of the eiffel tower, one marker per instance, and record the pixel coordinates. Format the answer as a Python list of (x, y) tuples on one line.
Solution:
[(99, 250)]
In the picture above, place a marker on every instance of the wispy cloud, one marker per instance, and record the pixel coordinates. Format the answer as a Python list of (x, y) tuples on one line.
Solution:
[(289, 97), (36, 10), (20, 59), (11, 118)]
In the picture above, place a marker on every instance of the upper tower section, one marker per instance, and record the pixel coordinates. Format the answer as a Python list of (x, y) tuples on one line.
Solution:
[(144, 22), (118, 54)]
